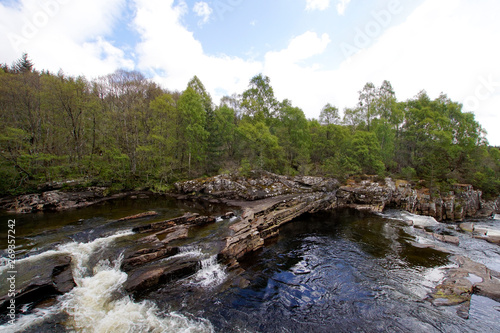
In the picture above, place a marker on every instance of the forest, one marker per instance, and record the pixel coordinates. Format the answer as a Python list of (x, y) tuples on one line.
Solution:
[(124, 131)]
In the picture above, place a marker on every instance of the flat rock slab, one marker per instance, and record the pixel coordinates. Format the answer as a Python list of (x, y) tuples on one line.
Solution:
[(461, 282)]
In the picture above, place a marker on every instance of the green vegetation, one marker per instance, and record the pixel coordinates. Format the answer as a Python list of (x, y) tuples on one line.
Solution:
[(125, 131)]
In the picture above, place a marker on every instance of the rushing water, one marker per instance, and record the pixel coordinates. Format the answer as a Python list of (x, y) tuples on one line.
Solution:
[(342, 271)]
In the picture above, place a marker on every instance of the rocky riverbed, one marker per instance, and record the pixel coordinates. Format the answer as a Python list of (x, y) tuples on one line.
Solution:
[(265, 202)]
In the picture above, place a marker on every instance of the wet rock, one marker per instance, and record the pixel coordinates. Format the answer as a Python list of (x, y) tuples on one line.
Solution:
[(148, 255), (445, 238), (452, 291), (228, 215), (463, 310), (171, 234), (467, 227), (147, 278), (263, 219), (461, 282), (186, 219), (138, 216), (54, 280)]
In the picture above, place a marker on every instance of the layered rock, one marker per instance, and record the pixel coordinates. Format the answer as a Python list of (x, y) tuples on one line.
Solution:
[(141, 264), (462, 202), (270, 200), (263, 220)]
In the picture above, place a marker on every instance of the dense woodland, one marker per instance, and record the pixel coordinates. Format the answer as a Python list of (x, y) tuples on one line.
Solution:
[(125, 131)]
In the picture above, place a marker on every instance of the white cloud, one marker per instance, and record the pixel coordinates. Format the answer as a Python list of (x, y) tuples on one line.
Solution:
[(172, 52), (300, 48), (342, 6), (443, 46), (317, 4), (292, 79), (203, 10), (63, 34)]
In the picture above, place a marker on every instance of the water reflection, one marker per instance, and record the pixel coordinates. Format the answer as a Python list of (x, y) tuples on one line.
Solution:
[(339, 272)]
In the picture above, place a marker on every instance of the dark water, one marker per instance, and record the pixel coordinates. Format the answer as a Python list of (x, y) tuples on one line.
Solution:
[(342, 271), (338, 272)]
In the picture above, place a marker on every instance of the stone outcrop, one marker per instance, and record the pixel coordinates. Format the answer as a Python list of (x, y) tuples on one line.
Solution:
[(138, 216), (367, 195), (260, 185), (462, 202), (484, 233), (268, 201), (370, 194), (263, 220), (146, 278), (58, 200)]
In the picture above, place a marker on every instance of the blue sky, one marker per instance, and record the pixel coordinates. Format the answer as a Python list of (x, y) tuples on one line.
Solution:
[(314, 51)]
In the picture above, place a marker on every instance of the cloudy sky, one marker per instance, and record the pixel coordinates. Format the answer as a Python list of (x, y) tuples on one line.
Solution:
[(314, 51)]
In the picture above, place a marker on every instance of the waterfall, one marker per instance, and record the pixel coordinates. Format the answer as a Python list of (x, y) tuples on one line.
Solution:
[(210, 274), (98, 302)]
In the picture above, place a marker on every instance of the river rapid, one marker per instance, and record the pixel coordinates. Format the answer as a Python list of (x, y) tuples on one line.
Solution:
[(340, 271)]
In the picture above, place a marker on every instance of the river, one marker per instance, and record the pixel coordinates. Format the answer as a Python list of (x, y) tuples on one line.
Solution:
[(341, 271)]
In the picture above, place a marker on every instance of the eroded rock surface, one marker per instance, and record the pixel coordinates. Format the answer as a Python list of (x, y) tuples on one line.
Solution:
[(141, 265), (371, 194), (461, 282), (260, 185), (264, 218)]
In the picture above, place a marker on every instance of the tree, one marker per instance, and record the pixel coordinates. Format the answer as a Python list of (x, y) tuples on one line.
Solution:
[(329, 115), (23, 65), (260, 148), (365, 150), (226, 130), (193, 132), (368, 103), (293, 134), (212, 157), (258, 100), (353, 118)]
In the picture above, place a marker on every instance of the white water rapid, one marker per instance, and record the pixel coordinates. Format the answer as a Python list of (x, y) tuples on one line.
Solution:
[(98, 303)]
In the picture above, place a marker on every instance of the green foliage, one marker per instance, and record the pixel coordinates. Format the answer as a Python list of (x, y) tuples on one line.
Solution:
[(124, 131)]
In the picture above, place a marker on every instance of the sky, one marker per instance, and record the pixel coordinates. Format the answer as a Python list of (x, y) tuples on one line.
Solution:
[(314, 51)]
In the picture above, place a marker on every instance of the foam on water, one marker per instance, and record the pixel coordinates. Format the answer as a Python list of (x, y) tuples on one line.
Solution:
[(33, 258), (210, 274), (38, 316), (189, 251), (98, 302), (81, 252)]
